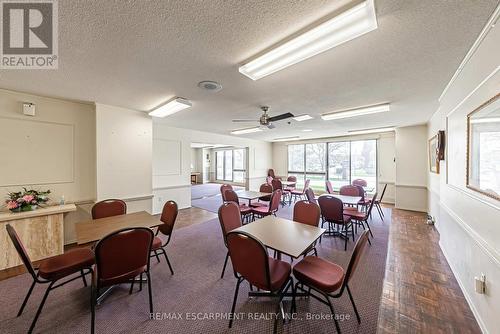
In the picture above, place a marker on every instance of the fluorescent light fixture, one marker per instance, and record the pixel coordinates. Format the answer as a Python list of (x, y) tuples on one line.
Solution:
[(344, 27), (246, 130), (306, 130), (485, 120), (171, 107), (377, 130), (301, 118), (287, 138), (357, 112)]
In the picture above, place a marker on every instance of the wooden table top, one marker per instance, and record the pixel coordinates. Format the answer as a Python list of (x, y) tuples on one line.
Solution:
[(251, 194), (286, 236), (351, 200), (96, 229)]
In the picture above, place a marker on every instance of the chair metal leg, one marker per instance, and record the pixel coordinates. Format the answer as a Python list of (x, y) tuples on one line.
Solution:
[(26, 298), (140, 282), (149, 292), (168, 262), (369, 229), (333, 313), (83, 278), (93, 301), (353, 305), (234, 301), (40, 307), (157, 257), (131, 287), (225, 263)]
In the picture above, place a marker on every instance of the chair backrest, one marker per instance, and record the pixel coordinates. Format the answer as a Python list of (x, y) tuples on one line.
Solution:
[(329, 187), (361, 192), (306, 185), (249, 259), (275, 200), (306, 212), (371, 205), (276, 183), (223, 189), (269, 180), (349, 191), (310, 196), (270, 173), (229, 218), (122, 254), (359, 182), (292, 178), (383, 192), (231, 196), (266, 188), (332, 208), (21, 251), (355, 256), (168, 217), (109, 208)]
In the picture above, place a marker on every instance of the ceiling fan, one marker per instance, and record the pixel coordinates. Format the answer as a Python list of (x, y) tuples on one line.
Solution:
[(265, 119)]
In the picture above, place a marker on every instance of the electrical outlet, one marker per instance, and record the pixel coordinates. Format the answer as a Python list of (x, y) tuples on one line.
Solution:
[(480, 286)]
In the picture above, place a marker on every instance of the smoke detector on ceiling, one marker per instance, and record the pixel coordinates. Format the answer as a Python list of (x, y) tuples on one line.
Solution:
[(211, 86)]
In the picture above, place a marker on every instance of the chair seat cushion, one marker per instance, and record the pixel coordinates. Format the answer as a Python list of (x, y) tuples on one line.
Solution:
[(66, 264), (355, 214), (261, 210), (244, 209), (279, 271), (258, 204), (321, 274), (347, 219), (156, 243)]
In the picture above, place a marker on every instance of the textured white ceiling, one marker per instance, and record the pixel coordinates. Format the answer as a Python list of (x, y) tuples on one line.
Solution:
[(138, 54)]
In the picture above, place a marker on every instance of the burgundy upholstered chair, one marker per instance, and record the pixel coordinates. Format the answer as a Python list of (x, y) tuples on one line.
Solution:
[(378, 201), (245, 210), (252, 263), (52, 270), (120, 257), (361, 217), (329, 187), (359, 182), (310, 196), (223, 189), (363, 202), (308, 213), (168, 218), (109, 208), (291, 178), (332, 211), (229, 219), (298, 194), (264, 188), (276, 183), (273, 207), (328, 279), (349, 190)]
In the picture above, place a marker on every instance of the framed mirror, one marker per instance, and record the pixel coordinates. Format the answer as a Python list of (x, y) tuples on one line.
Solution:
[(483, 148)]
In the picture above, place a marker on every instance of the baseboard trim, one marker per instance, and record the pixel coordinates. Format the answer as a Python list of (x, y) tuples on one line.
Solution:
[(479, 320)]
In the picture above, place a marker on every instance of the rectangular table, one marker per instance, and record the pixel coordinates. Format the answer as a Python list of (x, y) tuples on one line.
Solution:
[(283, 235), (288, 183), (95, 229), (349, 200), (250, 195)]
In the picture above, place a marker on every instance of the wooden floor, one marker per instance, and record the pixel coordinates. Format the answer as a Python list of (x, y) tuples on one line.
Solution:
[(420, 293)]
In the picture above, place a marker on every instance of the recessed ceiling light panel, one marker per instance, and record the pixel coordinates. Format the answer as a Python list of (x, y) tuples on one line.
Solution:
[(301, 118), (376, 130), (246, 130), (171, 107), (344, 27), (356, 112), (287, 138)]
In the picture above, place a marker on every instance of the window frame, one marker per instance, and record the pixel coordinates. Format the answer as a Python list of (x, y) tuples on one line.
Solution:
[(224, 179)]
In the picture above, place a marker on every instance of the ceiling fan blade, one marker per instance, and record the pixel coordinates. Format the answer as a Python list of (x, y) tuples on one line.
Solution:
[(280, 117), (271, 126), (245, 120)]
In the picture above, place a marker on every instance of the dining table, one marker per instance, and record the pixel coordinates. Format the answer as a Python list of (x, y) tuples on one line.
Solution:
[(347, 200), (251, 195)]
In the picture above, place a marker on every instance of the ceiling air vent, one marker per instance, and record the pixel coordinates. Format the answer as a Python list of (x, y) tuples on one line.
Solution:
[(211, 86)]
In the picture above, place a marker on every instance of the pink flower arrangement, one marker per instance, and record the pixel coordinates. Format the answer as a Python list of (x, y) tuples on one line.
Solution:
[(26, 200)]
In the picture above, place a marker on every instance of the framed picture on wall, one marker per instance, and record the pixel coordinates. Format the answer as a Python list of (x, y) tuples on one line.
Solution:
[(483, 148), (433, 155)]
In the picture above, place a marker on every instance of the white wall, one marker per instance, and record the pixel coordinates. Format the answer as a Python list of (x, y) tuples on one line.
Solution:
[(171, 178), (124, 144), (468, 222), (53, 150), (385, 159), (411, 168)]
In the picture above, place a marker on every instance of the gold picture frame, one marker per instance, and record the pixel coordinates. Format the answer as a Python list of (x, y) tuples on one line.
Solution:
[(469, 153), (433, 155)]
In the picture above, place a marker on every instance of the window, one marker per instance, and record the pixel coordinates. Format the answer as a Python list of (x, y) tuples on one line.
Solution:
[(230, 165), (339, 162)]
